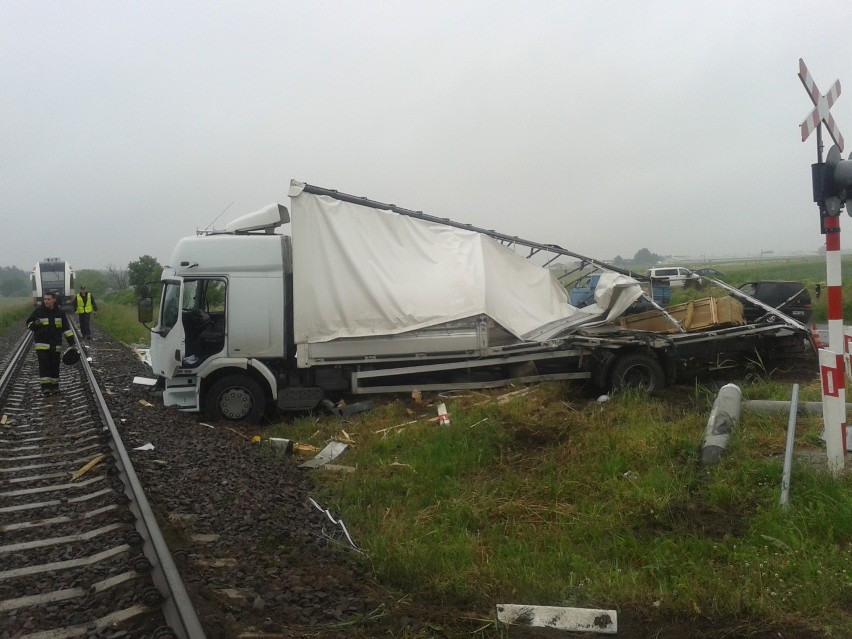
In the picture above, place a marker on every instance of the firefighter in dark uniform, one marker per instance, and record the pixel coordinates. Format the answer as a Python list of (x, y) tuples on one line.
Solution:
[(49, 324)]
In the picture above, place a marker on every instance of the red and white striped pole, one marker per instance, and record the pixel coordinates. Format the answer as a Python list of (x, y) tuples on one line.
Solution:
[(832, 361), (835, 284)]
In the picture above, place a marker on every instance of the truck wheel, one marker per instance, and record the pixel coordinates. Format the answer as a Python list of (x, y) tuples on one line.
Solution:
[(236, 398), (638, 370)]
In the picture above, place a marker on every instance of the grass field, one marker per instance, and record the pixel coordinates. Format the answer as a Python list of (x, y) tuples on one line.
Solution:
[(551, 498), (14, 310)]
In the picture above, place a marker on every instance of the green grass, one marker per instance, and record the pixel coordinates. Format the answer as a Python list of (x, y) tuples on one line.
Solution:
[(117, 319), (13, 312), (120, 321), (555, 500)]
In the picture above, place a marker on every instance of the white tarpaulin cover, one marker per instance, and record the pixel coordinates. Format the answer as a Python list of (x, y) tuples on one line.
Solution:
[(361, 271), (614, 294)]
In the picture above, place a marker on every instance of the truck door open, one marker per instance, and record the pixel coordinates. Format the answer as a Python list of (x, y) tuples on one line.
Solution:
[(167, 358)]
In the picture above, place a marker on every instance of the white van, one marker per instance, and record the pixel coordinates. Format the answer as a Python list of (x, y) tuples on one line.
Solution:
[(674, 275)]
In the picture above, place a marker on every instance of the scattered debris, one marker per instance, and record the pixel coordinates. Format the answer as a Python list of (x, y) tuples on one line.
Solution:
[(342, 409), (280, 442), (148, 446), (144, 381), (443, 416), (145, 403), (603, 622), (236, 432), (331, 451), (337, 522), (208, 538), (389, 428), (417, 396), (305, 449), (143, 354), (4, 420), (338, 468), (510, 396), (85, 469), (603, 399)]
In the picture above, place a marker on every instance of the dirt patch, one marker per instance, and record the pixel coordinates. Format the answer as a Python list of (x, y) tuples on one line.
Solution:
[(694, 519)]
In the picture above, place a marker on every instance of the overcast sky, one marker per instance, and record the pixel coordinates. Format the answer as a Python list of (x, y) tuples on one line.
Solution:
[(605, 127)]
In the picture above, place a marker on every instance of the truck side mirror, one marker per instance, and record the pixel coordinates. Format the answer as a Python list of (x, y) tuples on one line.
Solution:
[(145, 310)]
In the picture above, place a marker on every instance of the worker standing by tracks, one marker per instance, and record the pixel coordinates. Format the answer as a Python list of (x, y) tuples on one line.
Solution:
[(49, 324), (84, 305)]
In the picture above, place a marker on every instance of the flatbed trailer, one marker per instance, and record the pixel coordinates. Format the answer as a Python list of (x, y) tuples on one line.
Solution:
[(364, 297)]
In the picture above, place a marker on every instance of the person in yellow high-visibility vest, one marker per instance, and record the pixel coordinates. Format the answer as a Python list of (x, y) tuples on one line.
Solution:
[(84, 306)]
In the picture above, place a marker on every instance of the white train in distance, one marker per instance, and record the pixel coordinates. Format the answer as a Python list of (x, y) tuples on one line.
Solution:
[(53, 274)]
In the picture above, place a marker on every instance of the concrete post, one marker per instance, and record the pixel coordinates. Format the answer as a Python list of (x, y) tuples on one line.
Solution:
[(724, 418)]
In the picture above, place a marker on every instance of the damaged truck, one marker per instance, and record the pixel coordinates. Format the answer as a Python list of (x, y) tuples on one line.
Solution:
[(341, 295)]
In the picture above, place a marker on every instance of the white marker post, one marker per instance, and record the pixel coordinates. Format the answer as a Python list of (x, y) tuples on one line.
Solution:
[(833, 408)]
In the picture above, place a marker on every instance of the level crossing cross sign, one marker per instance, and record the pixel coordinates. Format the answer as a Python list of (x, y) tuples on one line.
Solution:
[(822, 103)]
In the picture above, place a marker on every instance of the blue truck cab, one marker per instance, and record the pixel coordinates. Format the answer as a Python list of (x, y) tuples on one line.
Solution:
[(583, 292)]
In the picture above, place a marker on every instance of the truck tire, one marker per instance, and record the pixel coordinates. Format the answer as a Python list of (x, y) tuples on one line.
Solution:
[(638, 370), (236, 398)]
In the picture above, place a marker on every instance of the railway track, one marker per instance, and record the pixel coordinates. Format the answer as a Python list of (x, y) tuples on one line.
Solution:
[(81, 554)]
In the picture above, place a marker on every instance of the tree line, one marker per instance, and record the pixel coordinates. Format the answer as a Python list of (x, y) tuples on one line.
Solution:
[(643, 257)]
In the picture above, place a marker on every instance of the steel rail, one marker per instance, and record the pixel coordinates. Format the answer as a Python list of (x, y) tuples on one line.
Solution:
[(14, 362), (177, 606)]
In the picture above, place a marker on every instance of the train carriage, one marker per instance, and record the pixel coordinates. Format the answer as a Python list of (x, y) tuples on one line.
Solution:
[(53, 274)]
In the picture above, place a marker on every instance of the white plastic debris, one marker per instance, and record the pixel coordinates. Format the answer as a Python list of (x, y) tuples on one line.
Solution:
[(603, 622), (443, 415), (337, 522), (148, 446), (330, 452), (144, 381)]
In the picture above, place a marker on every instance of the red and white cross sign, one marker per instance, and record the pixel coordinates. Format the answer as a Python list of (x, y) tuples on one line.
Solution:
[(822, 103)]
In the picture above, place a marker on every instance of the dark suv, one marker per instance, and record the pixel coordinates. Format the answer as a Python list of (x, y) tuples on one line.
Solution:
[(790, 298)]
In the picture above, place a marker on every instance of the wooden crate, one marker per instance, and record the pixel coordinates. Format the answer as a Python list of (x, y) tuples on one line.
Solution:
[(696, 315)]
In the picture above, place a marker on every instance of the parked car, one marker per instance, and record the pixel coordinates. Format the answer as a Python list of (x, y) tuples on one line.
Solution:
[(674, 275), (791, 298)]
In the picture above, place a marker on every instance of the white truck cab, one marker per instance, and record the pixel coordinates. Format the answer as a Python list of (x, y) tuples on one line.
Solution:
[(221, 315)]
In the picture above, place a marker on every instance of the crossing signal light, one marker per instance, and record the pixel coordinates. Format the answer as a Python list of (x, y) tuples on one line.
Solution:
[(832, 182)]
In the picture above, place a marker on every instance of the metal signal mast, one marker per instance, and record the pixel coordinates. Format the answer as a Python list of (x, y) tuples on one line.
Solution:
[(831, 182)]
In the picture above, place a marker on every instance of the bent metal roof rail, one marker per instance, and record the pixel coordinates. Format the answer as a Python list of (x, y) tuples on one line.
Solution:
[(534, 247)]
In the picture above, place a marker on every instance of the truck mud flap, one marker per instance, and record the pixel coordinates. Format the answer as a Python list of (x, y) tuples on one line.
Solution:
[(300, 397)]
